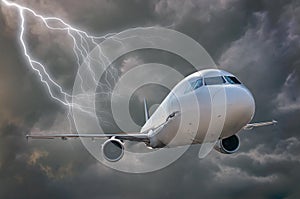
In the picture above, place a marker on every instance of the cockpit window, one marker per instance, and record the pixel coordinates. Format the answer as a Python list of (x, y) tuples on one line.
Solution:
[(232, 80), (214, 80), (218, 80), (198, 84), (194, 85)]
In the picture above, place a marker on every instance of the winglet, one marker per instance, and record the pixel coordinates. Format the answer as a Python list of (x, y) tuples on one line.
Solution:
[(146, 110)]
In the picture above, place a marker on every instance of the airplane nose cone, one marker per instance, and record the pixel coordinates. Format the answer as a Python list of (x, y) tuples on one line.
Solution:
[(247, 103), (241, 106)]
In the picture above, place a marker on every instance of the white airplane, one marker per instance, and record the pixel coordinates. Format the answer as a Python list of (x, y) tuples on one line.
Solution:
[(208, 107)]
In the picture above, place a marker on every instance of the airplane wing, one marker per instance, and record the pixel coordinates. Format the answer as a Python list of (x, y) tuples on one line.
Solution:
[(140, 137), (259, 124)]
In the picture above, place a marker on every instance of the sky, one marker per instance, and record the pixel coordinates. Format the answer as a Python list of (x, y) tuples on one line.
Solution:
[(258, 41)]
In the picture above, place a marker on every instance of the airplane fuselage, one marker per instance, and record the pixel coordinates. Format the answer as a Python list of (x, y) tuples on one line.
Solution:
[(205, 106), (208, 107)]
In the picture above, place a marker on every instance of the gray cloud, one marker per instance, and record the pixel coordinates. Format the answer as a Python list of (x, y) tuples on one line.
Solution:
[(256, 40), (288, 99)]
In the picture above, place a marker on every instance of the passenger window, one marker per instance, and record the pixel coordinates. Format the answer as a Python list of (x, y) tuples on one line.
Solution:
[(232, 80), (214, 80)]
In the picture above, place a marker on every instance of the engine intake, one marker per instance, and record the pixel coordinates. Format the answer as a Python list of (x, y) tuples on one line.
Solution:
[(228, 145), (113, 150)]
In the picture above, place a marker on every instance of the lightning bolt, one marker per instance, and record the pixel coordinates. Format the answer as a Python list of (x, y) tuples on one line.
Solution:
[(81, 48), (83, 43)]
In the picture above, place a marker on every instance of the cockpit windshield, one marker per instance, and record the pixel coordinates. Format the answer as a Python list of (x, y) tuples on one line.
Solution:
[(232, 80), (218, 80), (198, 84), (194, 85), (214, 80)]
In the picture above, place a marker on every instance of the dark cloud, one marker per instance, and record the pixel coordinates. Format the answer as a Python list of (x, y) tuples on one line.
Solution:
[(256, 40)]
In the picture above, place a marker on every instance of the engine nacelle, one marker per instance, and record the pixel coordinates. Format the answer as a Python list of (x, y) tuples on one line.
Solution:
[(113, 150), (228, 145)]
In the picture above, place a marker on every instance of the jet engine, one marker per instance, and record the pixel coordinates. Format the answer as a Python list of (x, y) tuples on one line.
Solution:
[(113, 150), (228, 145)]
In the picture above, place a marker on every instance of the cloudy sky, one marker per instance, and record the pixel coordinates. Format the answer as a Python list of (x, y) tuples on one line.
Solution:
[(259, 41)]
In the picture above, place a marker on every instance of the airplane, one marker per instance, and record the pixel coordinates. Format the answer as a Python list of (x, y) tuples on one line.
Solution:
[(201, 104)]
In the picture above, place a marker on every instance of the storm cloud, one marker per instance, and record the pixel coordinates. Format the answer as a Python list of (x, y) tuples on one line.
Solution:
[(259, 41)]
